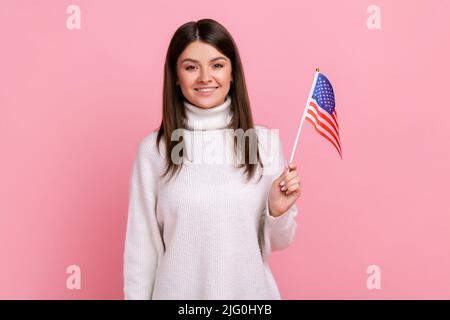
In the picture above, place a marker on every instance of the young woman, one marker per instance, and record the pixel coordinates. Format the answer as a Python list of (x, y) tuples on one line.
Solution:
[(207, 232)]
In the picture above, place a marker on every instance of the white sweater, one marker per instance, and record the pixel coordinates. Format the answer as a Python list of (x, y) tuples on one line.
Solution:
[(207, 234)]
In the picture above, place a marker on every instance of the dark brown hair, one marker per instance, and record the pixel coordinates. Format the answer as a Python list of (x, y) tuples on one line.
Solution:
[(173, 114)]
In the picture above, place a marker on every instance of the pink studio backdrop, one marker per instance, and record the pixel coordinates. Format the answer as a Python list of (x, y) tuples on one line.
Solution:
[(75, 103)]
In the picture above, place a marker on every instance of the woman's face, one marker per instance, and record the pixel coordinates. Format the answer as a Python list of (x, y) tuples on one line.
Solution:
[(200, 65)]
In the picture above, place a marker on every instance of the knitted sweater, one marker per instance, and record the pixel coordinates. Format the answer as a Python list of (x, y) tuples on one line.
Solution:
[(207, 233)]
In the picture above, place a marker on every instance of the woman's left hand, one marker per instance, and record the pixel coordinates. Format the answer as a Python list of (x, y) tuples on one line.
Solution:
[(285, 191)]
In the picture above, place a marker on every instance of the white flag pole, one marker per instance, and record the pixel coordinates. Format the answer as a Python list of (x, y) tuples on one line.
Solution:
[(304, 115)]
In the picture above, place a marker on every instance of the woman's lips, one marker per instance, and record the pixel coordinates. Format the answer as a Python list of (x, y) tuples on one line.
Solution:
[(206, 93)]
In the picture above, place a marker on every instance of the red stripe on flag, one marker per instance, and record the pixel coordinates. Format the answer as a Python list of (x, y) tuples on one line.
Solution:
[(335, 119), (324, 135), (320, 123)]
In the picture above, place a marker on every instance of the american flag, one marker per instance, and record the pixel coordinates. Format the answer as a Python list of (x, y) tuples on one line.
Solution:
[(321, 111)]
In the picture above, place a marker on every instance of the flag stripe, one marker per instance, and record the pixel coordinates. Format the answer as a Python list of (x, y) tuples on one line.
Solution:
[(313, 113), (323, 126), (326, 116), (323, 134), (335, 117)]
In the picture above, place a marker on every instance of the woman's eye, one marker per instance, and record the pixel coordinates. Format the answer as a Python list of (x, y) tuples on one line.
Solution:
[(217, 64)]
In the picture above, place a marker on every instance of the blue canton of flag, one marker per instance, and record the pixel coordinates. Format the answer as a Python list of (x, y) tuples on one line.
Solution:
[(323, 94)]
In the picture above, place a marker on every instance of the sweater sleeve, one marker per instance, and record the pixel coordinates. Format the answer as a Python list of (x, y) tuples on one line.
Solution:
[(143, 242), (277, 233)]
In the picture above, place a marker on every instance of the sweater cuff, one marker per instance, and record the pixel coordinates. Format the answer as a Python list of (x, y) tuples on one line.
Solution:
[(277, 232), (283, 221)]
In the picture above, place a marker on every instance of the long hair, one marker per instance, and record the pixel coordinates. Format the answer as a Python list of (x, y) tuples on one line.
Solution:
[(173, 114)]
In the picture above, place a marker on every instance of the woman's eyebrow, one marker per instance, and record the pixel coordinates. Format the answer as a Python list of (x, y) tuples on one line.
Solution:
[(192, 60)]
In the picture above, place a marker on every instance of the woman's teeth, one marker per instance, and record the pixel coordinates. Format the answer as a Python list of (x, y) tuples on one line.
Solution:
[(206, 90)]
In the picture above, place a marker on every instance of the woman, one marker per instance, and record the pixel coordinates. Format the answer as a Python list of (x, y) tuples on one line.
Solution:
[(207, 232)]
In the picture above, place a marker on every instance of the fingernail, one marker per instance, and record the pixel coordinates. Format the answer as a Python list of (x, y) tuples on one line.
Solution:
[(282, 183), (283, 188)]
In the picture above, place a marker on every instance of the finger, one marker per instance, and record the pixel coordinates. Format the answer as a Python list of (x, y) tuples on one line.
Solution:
[(291, 183), (291, 175), (288, 177), (292, 166), (294, 188), (289, 172)]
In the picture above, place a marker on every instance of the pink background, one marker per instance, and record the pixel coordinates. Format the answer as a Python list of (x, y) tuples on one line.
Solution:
[(75, 103)]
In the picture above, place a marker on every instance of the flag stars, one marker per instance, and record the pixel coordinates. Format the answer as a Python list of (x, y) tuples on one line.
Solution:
[(323, 94)]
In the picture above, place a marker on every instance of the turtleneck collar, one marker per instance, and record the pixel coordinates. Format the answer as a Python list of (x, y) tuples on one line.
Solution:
[(218, 117)]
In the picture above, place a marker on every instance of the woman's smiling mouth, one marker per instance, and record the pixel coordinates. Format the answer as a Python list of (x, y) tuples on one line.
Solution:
[(207, 91)]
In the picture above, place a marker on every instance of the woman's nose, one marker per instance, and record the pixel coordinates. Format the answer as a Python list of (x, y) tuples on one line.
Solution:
[(205, 76)]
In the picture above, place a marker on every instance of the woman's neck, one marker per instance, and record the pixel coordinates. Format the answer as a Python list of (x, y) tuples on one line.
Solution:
[(215, 118)]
